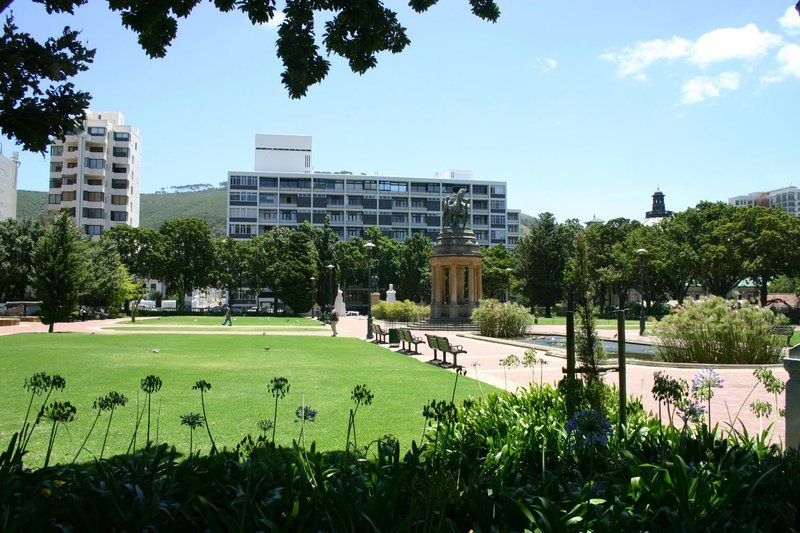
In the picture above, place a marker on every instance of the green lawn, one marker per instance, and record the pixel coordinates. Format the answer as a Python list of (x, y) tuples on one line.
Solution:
[(188, 320), (321, 370), (143, 327), (602, 323)]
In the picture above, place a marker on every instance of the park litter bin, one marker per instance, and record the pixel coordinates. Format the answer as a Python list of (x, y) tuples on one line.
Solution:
[(394, 337)]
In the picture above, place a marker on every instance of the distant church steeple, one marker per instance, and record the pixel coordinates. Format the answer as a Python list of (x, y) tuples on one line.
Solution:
[(659, 207)]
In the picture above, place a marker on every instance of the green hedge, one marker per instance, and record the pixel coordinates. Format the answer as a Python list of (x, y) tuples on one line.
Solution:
[(405, 311), (505, 320)]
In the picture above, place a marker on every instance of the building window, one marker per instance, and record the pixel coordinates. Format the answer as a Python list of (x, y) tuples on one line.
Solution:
[(417, 218), (56, 167), (243, 212), (393, 186), (94, 163), (56, 150), (72, 148), (400, 203), (54, 199), (354, 218), (72, 165), (499, 219), (244, 181), (499, 189), (513, 217), (479, 189), (92, 196), (498, 204), (288, 216), (398, 218), (267, 198), (119, 199), (480, 205), (268, 182), (55, 183), (120, 151), (92, 230), (90, 212), (122, 136), (242, 229), (68, 196), (244, 197), (419, 203), (119, 216), (96, 130)]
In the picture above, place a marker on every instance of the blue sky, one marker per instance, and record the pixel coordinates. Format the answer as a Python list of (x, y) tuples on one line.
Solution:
[(583, 107)]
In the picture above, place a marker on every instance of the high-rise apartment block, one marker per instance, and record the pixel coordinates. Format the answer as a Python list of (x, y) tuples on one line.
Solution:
[(787, 198), (283, 190), (94, 173), (8, 186)]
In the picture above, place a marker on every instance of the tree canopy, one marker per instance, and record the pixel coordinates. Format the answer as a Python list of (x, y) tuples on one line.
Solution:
[(39, 101)]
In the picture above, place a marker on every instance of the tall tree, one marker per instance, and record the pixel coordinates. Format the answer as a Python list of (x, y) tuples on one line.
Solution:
[(355, 31), (609, 258), (714, 232), (414, 274), (385, 258), (541, 258), (141, 252), (351, 260), (496, 259), (290, 260), (107, 280), (325, 239), (231, 265), (60, 269), (188, 258), (18, 241), (769, 238)]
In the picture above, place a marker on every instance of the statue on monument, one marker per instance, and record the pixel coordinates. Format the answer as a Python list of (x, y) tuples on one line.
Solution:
[(455, 211)]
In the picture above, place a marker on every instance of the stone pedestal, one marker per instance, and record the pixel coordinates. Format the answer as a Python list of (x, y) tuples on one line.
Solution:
[(792, 365), (374, 298), (456, 276), (338, 305)]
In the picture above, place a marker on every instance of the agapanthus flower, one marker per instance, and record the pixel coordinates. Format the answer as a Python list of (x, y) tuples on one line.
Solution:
[(589, 428), (704, 383), (304, 413), (690, 411)]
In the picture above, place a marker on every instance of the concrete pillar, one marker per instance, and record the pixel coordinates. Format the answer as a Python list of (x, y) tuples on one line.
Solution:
[(453, 285), (471, 283), (479, 279), (792, 365)]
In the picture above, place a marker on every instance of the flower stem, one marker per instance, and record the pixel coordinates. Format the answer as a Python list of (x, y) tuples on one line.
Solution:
[(87, 437)]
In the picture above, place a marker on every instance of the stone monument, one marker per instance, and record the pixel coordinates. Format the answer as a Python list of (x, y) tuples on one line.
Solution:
[(456, 276), (391, 294), (338, 304)]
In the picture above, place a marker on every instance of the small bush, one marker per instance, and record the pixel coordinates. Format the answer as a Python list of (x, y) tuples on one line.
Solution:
[(716, 331), (504, 320), (405, 311)]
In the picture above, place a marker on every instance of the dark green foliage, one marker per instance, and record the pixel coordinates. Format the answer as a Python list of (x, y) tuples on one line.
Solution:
[(496, 259), (60, 267), (107, 279), (37, 100), (18, 240), (414, 274)]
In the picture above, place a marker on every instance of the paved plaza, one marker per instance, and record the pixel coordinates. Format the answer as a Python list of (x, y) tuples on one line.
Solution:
[(482, 362)]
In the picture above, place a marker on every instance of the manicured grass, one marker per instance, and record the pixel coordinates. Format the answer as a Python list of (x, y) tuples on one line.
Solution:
[(267, 329), (189, 320), (321, 370), (602, 323)]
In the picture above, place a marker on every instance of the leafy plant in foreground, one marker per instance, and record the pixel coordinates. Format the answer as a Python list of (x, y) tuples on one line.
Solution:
[(192, 421), (60, 413), (304, 414), (279, 387), (109, 402), (703, 385), (511, 361), (150, 384), (204, 386), (361, 395), (460, 371), (38, 384), (670, 392), (530, 360)]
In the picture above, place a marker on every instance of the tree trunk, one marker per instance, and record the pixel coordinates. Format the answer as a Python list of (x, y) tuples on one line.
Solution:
[(764, 291), (547, 311), (50, 328)]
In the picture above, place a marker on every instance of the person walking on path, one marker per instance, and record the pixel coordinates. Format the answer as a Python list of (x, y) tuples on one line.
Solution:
[(333, 317), (227, 309)]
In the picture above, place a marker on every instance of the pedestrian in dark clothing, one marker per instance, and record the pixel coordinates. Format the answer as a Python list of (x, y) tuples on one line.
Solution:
[(227, 309)]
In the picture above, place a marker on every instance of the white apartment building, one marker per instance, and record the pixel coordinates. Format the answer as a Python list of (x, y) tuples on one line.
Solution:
[(787, 198), (283, 190), (94, 173), (8, 186)]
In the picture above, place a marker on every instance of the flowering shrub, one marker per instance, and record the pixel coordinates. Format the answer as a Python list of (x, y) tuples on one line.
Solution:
[(714, 331), (504, 320), (588, 429), (405, 311)]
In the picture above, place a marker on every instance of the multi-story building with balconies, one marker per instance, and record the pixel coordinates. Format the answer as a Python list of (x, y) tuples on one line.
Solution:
[(8, 186), (94, 173), (787, 198), (284, 191)]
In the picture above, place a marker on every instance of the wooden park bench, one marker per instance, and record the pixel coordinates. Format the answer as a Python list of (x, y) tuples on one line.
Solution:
[(407, 337), (452, 349), (784, 330), (380, 334)]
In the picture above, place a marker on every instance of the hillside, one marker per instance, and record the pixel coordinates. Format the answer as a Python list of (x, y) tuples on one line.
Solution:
[(155, 209), (208, 205)]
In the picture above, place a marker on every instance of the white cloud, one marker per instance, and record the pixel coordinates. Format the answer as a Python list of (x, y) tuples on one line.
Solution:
[(276, 20), (546, 64), (790, 21), (632, 60), (724, 44), (701, 88), (788, 59)]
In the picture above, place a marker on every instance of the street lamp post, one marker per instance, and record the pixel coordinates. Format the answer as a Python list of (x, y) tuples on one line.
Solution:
[(330, 283), (368, 246), (508, 288), (642, 256), (314, 293)]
